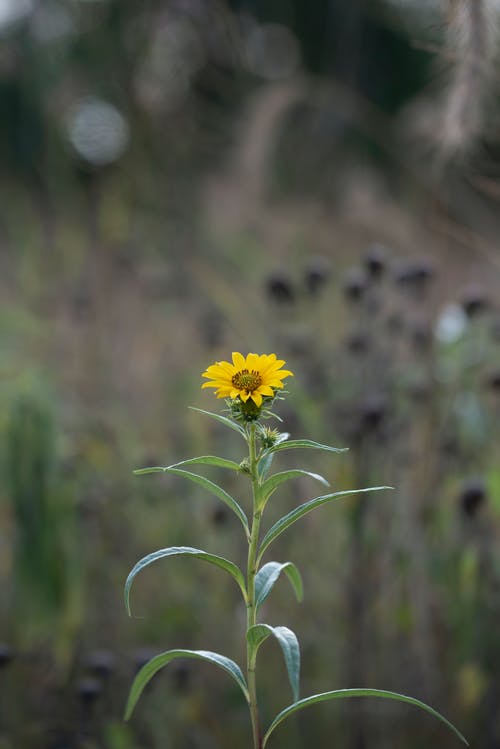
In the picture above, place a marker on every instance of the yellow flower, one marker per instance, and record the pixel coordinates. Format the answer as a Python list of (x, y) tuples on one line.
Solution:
[(251, 377)]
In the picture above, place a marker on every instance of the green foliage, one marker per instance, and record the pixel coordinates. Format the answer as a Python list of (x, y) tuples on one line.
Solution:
[(222, 419), (259, 581), (47, 569), (153, 666), (268, 575), (184, 551), (346, 693), (207, 460), (215, 489), (289, 645), (308, 444), (29, 470), (269, 487), (287, 520)]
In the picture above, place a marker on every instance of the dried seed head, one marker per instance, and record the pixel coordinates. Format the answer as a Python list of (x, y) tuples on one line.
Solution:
[(474, 300), (101, 663), (493, 381), (355, 284), (317, 274), (415, 274), (89, 690), (219, 516), (473, 494), (6, 655), (375, 260), (373, 411), (279, 288)]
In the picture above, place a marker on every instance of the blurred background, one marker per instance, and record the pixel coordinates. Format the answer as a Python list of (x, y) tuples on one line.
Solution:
[(184, 178)]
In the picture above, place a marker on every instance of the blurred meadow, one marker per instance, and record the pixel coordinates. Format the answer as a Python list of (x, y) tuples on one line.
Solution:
[(185, 178)]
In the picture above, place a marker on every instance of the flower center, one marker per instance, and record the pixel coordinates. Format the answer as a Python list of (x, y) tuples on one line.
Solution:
[(246, 380)]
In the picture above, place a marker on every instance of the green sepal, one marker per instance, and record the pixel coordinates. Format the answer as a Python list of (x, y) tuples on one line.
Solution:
[(184, 551), (222, 419), (268, 575), (291, 444), (271, 484), (344, 693), (215, 489), (208, 460), (287, 520), (149, 670), (289, 645)]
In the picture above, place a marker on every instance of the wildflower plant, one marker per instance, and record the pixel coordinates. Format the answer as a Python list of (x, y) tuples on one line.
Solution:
[(251, 386)]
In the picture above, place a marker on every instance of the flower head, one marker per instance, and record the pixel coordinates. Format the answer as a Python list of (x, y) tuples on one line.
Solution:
[(252, 377)]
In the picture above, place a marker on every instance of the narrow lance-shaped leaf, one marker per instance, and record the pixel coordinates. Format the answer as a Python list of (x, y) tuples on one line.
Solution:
[(222, 419), (264, 465), (287, 520), (184, 551), (289, 645), (149, 670), (208, 460), (215, 489), (267, 576), (291, 444), (271, 484), (345, 693)]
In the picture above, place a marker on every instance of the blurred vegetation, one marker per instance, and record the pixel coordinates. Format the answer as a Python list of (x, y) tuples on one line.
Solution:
[(181, 179)]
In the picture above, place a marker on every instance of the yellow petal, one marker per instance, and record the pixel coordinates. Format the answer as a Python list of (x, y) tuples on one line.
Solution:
[(244, 395), (210, 385), (276, 363), (269, 358), (265, 390), (227, 367), (252, 362), (238, 360), (216, 371), (275, 383), (257, 398)]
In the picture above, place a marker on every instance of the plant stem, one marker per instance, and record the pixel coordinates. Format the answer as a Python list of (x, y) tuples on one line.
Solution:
[(251, 572)]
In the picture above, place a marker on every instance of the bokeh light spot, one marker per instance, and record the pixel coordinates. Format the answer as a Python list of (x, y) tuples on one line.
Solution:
[(97, 131)]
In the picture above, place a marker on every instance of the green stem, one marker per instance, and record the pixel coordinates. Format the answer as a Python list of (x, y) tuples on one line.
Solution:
[(251, 572)]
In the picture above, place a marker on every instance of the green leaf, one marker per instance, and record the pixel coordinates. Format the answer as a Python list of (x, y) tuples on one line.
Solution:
[(263, 465), (214, 489), (290, 444), (267, 576), (223, 420), (208, 460), (271, 484), (289, 645), (287, 520), (343, 693), (183, 551), (149, 670), (153, 469)]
